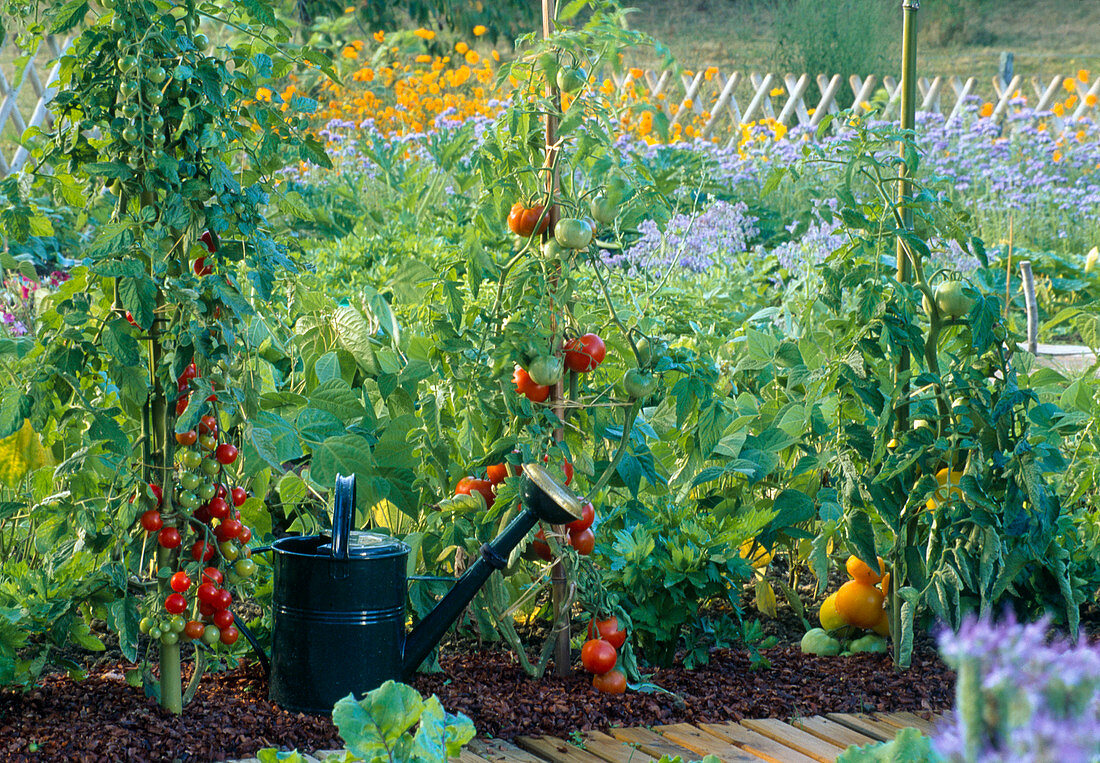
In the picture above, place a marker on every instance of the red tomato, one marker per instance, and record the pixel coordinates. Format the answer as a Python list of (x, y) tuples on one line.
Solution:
[(169, 537), (226, 453), (201, 268), (188, 438), (157, 493), (190, 372), (207, 590), (608, 630), (207, 238), (584, 353), (228, 530), (541, 547), (526, 221), (218, 508), (213, 575), (179, 582), (202, 551), (222, 599), (181, 404), (496, 473), (239, 495), (598, 656), (193, 630), (583, 541), (223, 618), (229, 635), (522, 381), (566, 468), (538, 393), (208, 425), (175, 603), (245, 536), (151, 521), (611, 682), (130, 318), (588, 515), (471, 485)]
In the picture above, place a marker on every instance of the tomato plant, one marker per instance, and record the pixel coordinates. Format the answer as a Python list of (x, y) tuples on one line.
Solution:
[(608, 630), (573, 233)]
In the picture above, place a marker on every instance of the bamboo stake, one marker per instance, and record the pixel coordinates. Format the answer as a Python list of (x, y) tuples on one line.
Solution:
[(559, 585)]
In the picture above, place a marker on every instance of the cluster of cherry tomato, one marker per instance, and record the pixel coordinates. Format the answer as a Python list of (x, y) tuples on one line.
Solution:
[(580, 354), (486, 488), (208, 515), (579, 532), (600, 654)]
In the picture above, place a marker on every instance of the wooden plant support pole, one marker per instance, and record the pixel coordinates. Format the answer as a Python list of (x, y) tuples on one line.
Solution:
[(905, 193), (558, 582), (1032, 308)]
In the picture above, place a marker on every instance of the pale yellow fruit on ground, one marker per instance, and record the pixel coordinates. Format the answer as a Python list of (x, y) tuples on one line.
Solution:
[(829, 618)]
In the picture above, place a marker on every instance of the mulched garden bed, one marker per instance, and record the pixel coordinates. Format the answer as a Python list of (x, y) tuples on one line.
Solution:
[(104, 719)]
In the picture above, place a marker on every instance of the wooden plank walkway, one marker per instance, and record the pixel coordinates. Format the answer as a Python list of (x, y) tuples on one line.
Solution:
[(817, 739)]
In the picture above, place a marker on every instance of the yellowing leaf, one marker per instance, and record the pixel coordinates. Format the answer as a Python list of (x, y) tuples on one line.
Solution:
[(20, 454), (765, 598)]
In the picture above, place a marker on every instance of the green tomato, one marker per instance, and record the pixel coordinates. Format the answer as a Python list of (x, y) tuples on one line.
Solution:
[(951, 300), (155, 633), (187, 499), (211, 635), (573, 233), (190, 459), (128, 63), (603, 209), (145, 625), (245, 568), (207, 491), (130, 134), (154, 97), (117, 23), (131, 109), (546, 370), (190, 480), (155, 121), (202, 42), (128, 88), (571, 78), (156, 75), (552, 250), (176, 623), (229, 550), (817, 641), (638, 384), (210, 466), (645, 352)]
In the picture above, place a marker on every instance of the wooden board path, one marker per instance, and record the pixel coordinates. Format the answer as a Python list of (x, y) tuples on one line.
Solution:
[(815, 739)]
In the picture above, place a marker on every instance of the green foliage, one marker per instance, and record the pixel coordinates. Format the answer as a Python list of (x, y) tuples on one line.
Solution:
[(380, 726), (842, 37), (909, 746), (678, 577)]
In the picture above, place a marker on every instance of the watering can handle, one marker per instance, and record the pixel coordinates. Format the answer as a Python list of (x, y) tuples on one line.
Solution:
[(342, 511)]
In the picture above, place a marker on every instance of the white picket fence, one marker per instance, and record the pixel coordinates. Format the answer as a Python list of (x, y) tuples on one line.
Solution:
[(713, 100)]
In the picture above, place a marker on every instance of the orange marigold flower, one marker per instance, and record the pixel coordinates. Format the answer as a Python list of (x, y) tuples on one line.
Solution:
[(472, 57), (461, 47), (349, 52), (1059, 110), (636, 73), (986, 111), (479, 30), (423, 58), (263, 94), (1083, 75), (1069, 84), (425, 34), (1057, 156), (379, 36), (1091, 99), (496, 56)]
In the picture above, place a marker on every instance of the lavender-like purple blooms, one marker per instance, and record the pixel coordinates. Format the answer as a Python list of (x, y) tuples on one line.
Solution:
[(1020, 695), (693, 242)]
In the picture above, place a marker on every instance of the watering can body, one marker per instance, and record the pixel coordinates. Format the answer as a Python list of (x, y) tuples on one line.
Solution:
[(339, 601)]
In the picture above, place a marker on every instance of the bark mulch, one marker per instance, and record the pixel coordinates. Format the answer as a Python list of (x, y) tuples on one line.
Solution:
[(103, 719)]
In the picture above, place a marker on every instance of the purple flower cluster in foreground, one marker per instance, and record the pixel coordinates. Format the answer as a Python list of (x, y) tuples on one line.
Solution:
[(1021, 696), (693, 242)]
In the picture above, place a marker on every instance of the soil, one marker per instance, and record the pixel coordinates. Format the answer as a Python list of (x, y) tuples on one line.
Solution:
[(102, 718)]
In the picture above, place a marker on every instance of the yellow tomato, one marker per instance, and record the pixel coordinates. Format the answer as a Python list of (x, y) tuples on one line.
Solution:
[(948, 489), (861, 571), (882, 627), (829, 618), (860, 604)]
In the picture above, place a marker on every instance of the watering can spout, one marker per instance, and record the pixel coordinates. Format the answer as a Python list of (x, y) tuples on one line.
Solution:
[(543, 499)]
